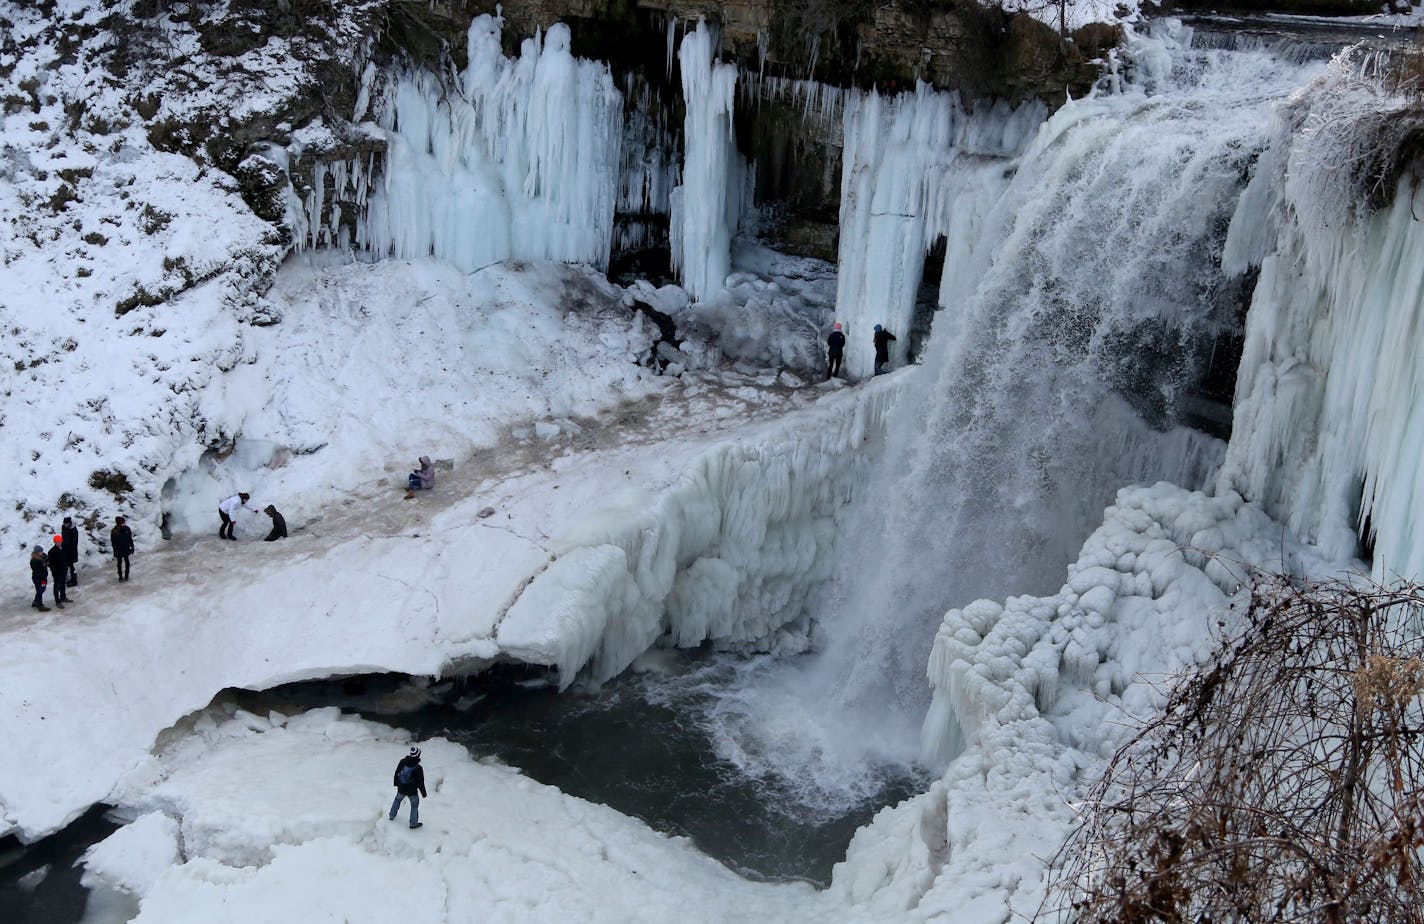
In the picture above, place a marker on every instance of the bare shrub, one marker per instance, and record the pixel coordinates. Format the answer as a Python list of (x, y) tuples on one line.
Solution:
[(1281, 783)]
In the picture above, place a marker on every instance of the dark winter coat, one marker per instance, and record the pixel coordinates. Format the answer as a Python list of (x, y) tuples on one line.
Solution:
[(279, 525), (58, 562), (39, 569), (121, 538), (409, 788), (836, 343), (71, 542), (882, 345)]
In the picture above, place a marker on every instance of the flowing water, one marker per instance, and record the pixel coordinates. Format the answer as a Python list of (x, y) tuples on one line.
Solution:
[(1076, 335)]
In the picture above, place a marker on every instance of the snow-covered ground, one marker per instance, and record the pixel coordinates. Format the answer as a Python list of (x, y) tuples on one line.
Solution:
[(253, 818)]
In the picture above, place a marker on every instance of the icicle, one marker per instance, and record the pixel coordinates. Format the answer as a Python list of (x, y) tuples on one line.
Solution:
[(524, 163)]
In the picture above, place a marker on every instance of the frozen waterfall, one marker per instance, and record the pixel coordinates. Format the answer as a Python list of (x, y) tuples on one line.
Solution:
[(916, 167), (707, 207), (1329, 425), (521, 161)]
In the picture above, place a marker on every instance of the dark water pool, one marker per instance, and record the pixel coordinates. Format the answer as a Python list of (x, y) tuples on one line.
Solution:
[(638, 744), (39, 883)]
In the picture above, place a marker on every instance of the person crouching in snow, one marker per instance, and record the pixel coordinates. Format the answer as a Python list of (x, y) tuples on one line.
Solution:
[(39, 575), (409, 780), (422, 479), (279, 524), (228, 509)]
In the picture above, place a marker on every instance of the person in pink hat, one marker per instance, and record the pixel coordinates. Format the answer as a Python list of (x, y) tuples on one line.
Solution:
[(835, 349)]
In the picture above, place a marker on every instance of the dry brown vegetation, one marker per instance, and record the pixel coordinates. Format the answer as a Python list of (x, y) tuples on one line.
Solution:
[(1281, 783)]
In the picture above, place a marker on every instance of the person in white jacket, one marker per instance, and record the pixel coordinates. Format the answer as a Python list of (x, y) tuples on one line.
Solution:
[(228, 509)]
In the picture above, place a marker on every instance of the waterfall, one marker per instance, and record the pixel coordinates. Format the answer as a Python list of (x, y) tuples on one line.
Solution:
[(1076, 321)]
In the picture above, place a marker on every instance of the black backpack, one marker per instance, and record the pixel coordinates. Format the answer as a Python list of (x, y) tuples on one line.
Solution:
[(405, 776)]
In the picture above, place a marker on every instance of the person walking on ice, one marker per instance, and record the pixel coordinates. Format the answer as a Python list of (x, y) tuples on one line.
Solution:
[(39, 574), (228, 509), (410, 784), (58, 560), (882, 348), (835, 350), (422, 479), (279, 524), (121, 539)]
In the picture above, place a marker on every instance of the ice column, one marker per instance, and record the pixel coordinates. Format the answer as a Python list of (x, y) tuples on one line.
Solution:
[(1328, 430), (522, 161), (707, 206), (915, 167)]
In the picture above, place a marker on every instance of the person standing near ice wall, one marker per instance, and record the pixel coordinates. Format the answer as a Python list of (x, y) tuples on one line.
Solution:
[(882, 348), (39, 571), (409, 781), (121, 539), (228, 509), (71, 550), (835, 349)]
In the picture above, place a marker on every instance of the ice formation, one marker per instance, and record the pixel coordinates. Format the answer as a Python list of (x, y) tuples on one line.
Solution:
[(916, 167), (707, 207), (651, 167), (1075, 326), (730, 554), (1330, 394), (521, 161), (1036, 689)]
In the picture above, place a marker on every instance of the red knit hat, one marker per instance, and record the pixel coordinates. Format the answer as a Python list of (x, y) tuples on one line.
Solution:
[(59, 539)]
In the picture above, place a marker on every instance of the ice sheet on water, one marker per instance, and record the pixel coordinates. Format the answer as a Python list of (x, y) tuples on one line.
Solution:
[(282, 821)]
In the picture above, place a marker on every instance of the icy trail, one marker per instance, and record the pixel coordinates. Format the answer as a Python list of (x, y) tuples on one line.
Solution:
[(424, 585)]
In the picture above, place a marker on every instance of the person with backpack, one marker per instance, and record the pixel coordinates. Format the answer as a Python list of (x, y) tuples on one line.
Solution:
[(835, 350), (409, 780), (58, 560), (228, 509), (39, 574), (71, 549), (882, 348), (121, 539)]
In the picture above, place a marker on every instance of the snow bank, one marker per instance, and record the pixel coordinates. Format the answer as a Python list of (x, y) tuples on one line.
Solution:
[(283, 816), (1330, 394), (1034, 693)]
